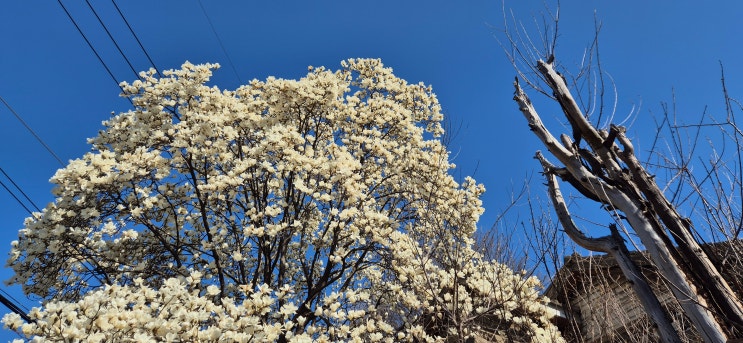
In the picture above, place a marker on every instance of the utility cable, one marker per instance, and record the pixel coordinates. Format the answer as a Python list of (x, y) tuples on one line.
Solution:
[(16, 198), (13, 307), (19, 189), (112, 39), (229, 60), (20, 119), (136, 38), (7, 295), (3, 300), (80, 31)]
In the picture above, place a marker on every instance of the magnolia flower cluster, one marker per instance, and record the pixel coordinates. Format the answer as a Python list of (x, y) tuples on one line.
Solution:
[(319, 209), (175, 312)]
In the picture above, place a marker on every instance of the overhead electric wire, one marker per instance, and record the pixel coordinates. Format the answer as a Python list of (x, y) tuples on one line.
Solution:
[(112, 38), (20, 119), (7, 295), (229, 60), (136, 38), (19, 189), (90, 45), (13, 307), (3, 299), (16, 198), (11, 304)]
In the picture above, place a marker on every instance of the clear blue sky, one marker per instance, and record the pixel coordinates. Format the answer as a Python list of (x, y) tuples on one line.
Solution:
[(52, 79)]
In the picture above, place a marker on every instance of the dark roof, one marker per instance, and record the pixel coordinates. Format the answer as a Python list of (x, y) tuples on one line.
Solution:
[(726, 254)]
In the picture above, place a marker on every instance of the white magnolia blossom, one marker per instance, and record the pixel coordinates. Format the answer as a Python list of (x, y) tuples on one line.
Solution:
[(319, 209)]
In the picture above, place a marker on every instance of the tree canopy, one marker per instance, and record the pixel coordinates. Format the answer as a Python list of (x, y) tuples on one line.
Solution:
[(319, 209)]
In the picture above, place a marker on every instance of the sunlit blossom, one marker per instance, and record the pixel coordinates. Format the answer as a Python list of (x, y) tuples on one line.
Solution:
[(320, 209)]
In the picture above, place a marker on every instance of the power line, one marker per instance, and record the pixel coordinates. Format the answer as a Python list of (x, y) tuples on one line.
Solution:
[(19, 189), (7, 295), (136, 38), (90, 45), (16, 198), (141, 46), (10, 304), (13, 307), (20, 119), (3, 300), (112, 38), (229, 60)]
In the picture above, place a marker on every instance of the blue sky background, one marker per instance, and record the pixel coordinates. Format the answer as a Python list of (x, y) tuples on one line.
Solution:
[(53, 80)]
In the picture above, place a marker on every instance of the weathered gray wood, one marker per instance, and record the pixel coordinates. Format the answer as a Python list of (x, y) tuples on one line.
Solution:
[(630, 204), (703, 270), (614, 246)]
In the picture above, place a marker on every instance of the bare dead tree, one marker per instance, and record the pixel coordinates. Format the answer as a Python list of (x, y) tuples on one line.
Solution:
[(613, 245), (602, 165), (593, 186)]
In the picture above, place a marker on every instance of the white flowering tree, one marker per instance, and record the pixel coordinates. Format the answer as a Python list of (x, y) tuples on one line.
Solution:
[(318, 209)]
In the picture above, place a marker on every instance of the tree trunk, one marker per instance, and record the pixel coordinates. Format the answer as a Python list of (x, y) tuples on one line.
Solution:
[(703, 271), (614, 186), (614, 246)]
